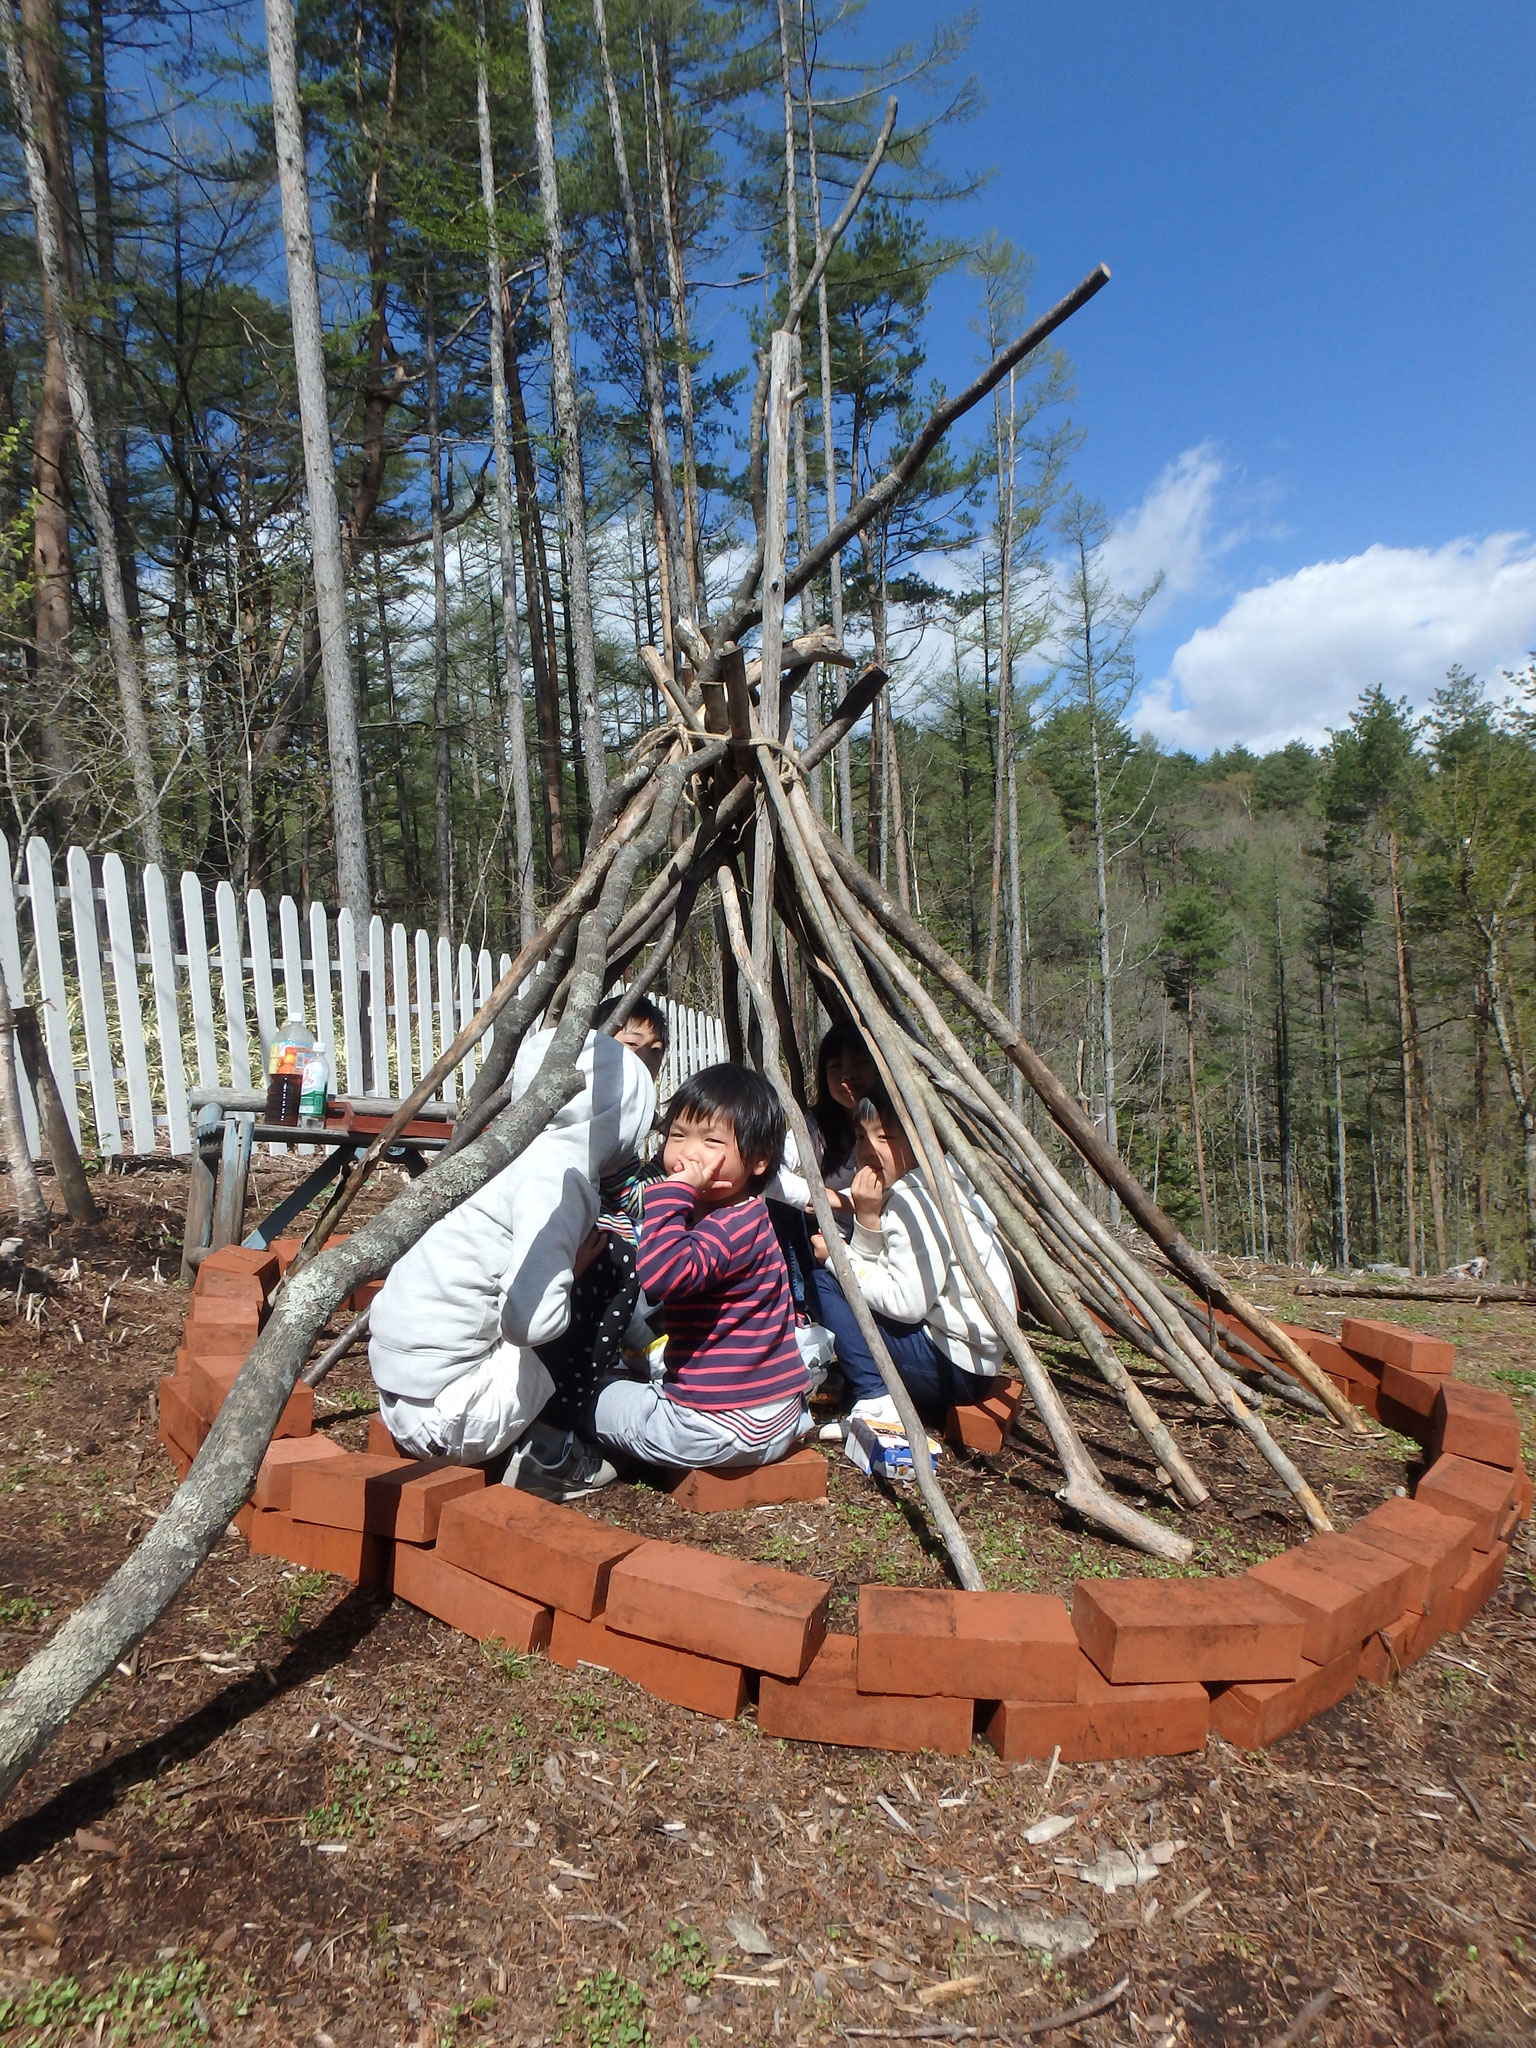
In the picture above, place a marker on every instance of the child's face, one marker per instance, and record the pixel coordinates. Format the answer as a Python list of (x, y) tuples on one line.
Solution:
[(851, 1074), (644, 1041), (703, 1151), (884, 1152)]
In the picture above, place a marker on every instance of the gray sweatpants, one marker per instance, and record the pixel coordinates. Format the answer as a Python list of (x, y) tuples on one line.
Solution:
[(638, 1418)]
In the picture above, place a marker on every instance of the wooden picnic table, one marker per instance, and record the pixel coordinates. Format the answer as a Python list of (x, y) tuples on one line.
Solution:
[(228, 1121)]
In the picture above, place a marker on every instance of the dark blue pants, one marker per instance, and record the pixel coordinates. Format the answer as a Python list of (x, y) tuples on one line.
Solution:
[(935, 1384)]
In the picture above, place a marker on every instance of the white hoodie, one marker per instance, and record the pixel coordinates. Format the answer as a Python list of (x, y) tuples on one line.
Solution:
[(908, 1271), (501, 1265)]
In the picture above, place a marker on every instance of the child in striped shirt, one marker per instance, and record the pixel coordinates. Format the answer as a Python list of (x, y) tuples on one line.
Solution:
[(714, 1277)]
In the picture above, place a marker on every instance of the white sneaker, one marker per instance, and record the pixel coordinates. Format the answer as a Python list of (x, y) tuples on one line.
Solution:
[(557, 1465), (878, 1409), (833, 1432)]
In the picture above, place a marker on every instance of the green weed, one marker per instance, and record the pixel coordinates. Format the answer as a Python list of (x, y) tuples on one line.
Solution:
[(301, 1587), (163, 2005), (22, 1611), (607, 2011), (685, 1952)]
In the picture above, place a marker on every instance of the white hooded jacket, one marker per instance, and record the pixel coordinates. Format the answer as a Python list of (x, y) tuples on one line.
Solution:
[(500, 1267), (908, 1271)]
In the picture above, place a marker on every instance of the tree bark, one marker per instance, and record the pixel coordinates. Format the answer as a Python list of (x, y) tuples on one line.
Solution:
[(351, 832), (442, 806), (57, 1135), (46, 182), (380, 391), (677, 296), (541, 621), (111, 337), (567, 416), (645, 332), (1207, 1226), (843, 768), (31, 1204), (517, 732)]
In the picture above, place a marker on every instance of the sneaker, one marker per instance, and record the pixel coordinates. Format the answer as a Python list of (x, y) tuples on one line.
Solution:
[(878, 1410), (835, 1431), (557, 1465)]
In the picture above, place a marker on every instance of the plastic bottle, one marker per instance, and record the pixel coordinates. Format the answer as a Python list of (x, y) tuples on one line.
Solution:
[(315, 1086), (290, 1049)]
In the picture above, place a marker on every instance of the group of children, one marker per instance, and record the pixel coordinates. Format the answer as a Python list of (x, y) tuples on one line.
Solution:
[(584, 1310)]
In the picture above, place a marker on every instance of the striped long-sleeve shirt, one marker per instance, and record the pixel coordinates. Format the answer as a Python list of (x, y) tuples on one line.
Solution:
[(722, 1295)]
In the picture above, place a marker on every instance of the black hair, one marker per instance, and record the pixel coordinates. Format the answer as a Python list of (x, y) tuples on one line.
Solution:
[(829, 1117), (642, 1007), (747, 1103), (875, 1104)]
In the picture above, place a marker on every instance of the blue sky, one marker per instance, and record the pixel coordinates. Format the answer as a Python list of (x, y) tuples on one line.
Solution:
[(1307, 391)]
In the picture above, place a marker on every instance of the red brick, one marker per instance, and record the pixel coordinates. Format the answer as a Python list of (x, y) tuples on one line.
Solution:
[(1157, 1631), (725, 1607), (1391, 1344), (234, 1268), (1330, 1354), (349, 1553), (825, 1705), (1525, 1493), (1440, 1547), (178, 1458), (548, 1553), (702, 1684), (380, 1443), (473, 1606), (1104, 1721), (1396, 1415), (1382, 1659), (286, 1249), (364, 1296), (1393, 1583), (1410, 1395), (399, 1497), (800, 1476), (1475, 1422), (211, 1312), (274, 1482), (1478, 1584), (209, 1382), (180, 1423), (1473, 1493), (1429, 1628), (1338, 1612), (970, 1646), (985, 1425), (218, 1341), (1253, 1716)]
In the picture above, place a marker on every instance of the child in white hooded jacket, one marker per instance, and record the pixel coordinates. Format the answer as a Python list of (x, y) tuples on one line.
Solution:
[(456, 1328)]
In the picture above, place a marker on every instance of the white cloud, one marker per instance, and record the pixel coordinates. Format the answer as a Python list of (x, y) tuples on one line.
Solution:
[(1289, 659), (1173, 532)]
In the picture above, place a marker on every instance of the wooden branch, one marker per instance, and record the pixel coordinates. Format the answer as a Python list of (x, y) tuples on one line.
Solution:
[(839, 227), (1075, 1125), (57, 1135), (953, 1536)]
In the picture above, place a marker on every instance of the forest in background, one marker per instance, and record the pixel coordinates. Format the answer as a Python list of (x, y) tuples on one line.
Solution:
[(1296, 990)]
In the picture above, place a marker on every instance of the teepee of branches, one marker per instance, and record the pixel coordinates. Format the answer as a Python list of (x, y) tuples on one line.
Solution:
[(714, 804)]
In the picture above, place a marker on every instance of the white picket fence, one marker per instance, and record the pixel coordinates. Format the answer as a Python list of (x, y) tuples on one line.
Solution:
[(154, 1018)]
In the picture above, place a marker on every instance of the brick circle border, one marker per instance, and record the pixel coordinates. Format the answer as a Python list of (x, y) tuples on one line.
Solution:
[(1138, 1668)]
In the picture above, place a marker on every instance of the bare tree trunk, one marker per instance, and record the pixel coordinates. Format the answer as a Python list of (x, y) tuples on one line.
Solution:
[(541, 621), (645, 333), (567, 416), (1414, 1085), (57, 1136), (843, 759), (319, 469), (895, 828), (442, 811), (1338, 1087), (31, 1204), (802, 479), (106, 281), (46, 182), (677, 294), (1521, 1092), (1208, 1234), (517, 734)]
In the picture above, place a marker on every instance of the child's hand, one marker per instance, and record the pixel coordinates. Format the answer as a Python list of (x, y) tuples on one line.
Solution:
[(868, 1192), (818, 1248), (589, 1248)]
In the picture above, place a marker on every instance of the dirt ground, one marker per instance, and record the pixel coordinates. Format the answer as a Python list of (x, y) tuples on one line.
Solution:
[(308, 1814)]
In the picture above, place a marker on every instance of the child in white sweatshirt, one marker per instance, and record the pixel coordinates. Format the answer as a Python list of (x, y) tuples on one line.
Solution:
[(456, 1333), (940, 1341)]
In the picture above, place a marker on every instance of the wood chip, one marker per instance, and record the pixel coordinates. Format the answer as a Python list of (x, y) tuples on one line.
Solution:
[(953, 1987)]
